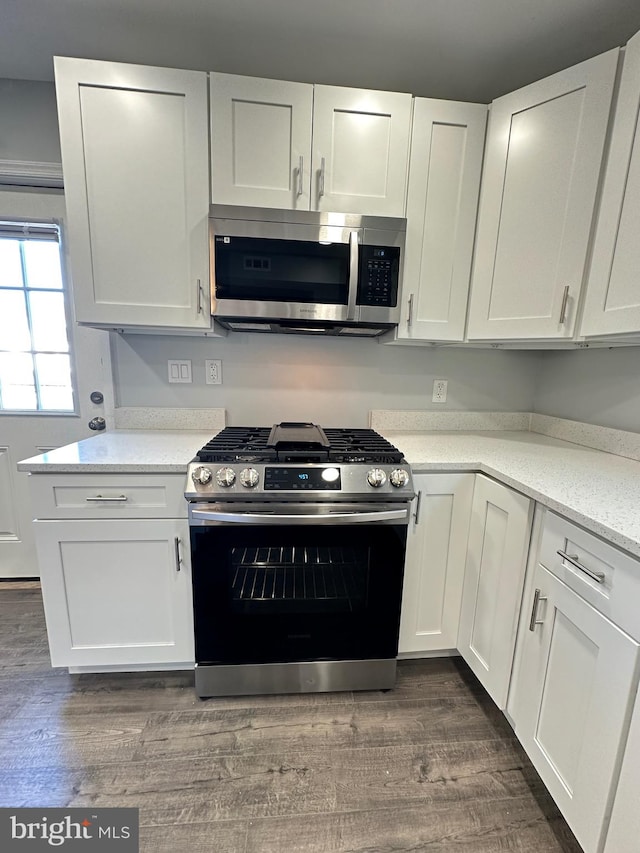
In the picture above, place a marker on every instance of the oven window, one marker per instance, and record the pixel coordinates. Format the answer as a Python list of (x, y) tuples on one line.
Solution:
[(264, 270), (302, 579), (268, 594)]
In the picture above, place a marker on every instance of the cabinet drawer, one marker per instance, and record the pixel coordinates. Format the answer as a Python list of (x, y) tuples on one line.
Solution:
[(107, 496), (607, 578)]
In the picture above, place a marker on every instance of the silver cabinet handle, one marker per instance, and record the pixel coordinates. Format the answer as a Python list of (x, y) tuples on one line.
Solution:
[(178, 557), (106, 499), (300, 171), (321, 179), (534, 610), (563, 308), (598, 577), (416, 514), (353, 275), (410, 312), (200, 294)]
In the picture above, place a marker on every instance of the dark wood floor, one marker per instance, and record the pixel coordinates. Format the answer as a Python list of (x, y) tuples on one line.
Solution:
[(430, 766)]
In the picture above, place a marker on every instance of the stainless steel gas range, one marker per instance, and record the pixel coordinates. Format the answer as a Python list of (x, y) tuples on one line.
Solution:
[(298, 538)]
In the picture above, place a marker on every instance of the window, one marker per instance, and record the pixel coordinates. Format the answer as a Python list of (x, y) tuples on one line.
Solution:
[(35, 362)]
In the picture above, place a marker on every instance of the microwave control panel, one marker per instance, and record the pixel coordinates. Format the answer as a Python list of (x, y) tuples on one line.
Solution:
[(378, 278)]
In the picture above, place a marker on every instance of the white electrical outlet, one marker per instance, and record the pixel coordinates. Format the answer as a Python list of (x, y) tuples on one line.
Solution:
[(213, 371), (439, 391), (179, 370)]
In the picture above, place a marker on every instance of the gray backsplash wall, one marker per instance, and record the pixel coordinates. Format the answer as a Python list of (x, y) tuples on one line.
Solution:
[(269, 378), (597, 386)]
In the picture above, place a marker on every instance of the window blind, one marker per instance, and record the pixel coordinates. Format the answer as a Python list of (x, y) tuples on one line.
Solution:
[(30, 231)]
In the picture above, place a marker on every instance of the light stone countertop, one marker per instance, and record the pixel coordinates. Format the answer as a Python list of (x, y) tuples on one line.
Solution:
[(599, 491), (125, 451)]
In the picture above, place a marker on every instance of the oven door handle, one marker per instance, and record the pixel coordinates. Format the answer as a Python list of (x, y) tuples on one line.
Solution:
[(331, 518)]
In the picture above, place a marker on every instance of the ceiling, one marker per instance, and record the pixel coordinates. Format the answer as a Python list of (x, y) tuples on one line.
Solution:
[(457, 49)]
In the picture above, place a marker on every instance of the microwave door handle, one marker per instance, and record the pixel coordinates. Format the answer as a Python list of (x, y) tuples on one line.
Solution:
[(353, 275)]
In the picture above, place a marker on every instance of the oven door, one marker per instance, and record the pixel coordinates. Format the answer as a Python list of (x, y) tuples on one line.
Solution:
[(284, 583)]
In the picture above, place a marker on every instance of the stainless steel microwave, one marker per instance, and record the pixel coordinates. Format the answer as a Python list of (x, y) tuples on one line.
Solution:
[(305, 272)]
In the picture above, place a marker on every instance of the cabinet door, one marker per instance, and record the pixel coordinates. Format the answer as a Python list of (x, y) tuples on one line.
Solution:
[(260, 142), (572, 696), (624, 829), (494, 575), (136, 172), (542, 164), (360, 151), (447, 143), (613, 297), (434, 565), (116, 592)]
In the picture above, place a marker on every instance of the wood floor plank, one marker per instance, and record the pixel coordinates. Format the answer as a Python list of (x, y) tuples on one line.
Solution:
[(443, 678), (202, 790), (218, 837), (29, 740), (52, 786), (301, 729), (495, 827), (434, 773)]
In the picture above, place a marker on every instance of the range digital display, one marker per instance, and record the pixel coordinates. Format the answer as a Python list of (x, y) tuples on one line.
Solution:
[(309, 479)]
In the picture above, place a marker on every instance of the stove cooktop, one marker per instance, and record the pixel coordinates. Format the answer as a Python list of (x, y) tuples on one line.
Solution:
[(299, 442)]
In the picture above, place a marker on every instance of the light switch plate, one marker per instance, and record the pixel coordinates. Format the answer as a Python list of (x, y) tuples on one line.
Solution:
[(179, 370)]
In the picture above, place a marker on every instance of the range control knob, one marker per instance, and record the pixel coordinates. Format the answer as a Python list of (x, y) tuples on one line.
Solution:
[(399, 477), (249, 477), (225, 477), (376, 477), (202, 475)]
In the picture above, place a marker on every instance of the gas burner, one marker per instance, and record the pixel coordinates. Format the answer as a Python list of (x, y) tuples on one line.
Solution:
[(299, 442)]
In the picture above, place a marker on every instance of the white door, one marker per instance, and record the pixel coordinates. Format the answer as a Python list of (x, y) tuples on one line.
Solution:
[(135, 157), (613, 297), (24, 435), (123, 602), (434, 564), (576, 674), (360, 151), (499, 537), (542, 165), (260, 141), (447, 144)]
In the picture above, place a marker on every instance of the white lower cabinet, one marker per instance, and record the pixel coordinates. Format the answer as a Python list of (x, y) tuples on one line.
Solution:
[(434, 565), (499, 536), (117, 592), (574, 679), (624, 828)]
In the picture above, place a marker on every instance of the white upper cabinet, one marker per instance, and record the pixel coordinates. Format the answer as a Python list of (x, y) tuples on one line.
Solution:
[(541, 171), (360, 150), (260, 142), (447, 145), (299, 146), (135, 160), (613, 292)]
